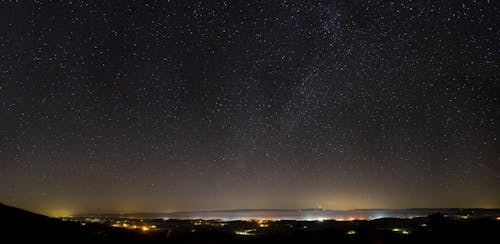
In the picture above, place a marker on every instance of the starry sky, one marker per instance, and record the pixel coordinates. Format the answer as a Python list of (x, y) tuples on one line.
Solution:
[(124, 106)]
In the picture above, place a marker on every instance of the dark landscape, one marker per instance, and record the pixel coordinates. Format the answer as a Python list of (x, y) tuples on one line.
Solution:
[(23, 226)]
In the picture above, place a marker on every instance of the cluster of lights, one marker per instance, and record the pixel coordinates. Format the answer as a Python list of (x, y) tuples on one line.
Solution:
[(350, 219), (208, 223), (315, 219), (351, 232), (250, 232), (262, 223), (402, 231), (93, 220), (127, 226)]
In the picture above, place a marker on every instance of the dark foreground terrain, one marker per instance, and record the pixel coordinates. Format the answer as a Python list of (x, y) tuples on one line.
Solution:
[(19, 226)]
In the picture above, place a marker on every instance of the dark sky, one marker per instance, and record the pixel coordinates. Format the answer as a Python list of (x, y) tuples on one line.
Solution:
[(121, 106)]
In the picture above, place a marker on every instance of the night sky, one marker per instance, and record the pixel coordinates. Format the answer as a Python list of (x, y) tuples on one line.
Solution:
[(121, 106)]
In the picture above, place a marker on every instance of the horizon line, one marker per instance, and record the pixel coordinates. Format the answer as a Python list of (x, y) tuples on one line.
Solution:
[(276, 209)]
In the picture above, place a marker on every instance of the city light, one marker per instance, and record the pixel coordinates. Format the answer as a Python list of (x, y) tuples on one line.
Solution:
[(262, 223), (402, 231), (250, 232), (249, 229), (142, 227)]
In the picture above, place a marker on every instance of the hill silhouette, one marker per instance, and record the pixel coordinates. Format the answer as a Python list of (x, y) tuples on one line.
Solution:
[(24, 226)]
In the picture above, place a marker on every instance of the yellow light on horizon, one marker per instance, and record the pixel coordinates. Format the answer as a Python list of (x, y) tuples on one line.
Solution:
[(57, 213), (145, 228)]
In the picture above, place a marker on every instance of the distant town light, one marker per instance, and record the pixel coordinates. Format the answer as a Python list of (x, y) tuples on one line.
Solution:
[(351, 232), (250, 232), (402, 231), (145, 228)]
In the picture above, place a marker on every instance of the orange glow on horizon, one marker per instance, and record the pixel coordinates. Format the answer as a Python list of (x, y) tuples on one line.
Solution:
[(56, 213)]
